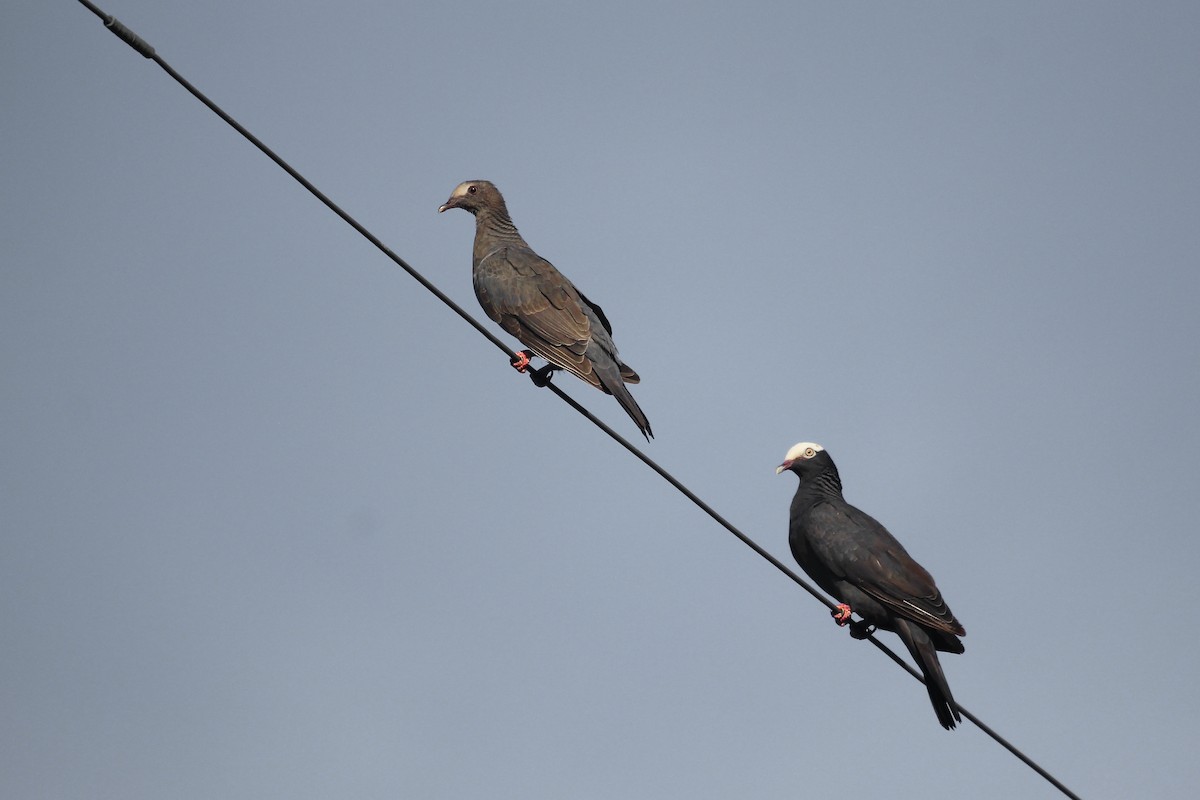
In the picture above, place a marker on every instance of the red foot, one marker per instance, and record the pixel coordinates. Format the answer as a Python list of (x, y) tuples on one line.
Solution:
[(841, 614), (521, 360)]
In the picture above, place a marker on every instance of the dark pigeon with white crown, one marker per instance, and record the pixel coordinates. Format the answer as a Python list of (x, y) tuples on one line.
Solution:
[(853, 557)]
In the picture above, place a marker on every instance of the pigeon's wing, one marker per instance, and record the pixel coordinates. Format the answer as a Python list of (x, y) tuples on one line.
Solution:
[(537, 304), (857, 548), (628, 375), (598, 311)]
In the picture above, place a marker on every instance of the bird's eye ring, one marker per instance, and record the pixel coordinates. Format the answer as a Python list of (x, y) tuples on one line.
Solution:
[(472, 189), (809, 452)]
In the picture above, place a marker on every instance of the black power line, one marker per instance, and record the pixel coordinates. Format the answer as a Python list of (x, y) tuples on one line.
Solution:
[(141, 46)]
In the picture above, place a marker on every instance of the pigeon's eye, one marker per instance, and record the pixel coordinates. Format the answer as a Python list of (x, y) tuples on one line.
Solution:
[(472, 189), (809, 452)]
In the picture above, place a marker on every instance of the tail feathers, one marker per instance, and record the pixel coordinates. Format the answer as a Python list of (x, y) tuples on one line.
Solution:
[(920, 646), (612, 381)]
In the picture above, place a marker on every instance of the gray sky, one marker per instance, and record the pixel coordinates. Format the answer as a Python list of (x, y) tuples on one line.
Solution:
[(274, 523)]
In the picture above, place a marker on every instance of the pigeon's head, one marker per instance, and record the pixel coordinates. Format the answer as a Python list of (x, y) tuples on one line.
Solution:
[(803, 457), (474, 196)]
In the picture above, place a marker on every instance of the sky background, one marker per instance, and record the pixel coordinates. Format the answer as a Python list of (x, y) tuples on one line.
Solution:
[(274, 523)]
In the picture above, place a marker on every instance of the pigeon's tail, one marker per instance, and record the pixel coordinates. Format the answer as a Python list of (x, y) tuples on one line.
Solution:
[(917, 640), (612, 381)]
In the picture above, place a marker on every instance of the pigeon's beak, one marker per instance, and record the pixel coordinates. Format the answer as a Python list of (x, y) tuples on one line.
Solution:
[(448, 204), (784, 467)]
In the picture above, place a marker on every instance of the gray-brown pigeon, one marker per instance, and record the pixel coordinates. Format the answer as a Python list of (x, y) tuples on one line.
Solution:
[(854, 558), (537, 304)]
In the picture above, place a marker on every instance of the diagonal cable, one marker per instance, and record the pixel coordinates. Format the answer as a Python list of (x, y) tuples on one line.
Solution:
[(144, 48)]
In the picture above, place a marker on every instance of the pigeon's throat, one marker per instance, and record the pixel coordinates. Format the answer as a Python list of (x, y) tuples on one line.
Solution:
[(825, 484), (497, 224)]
